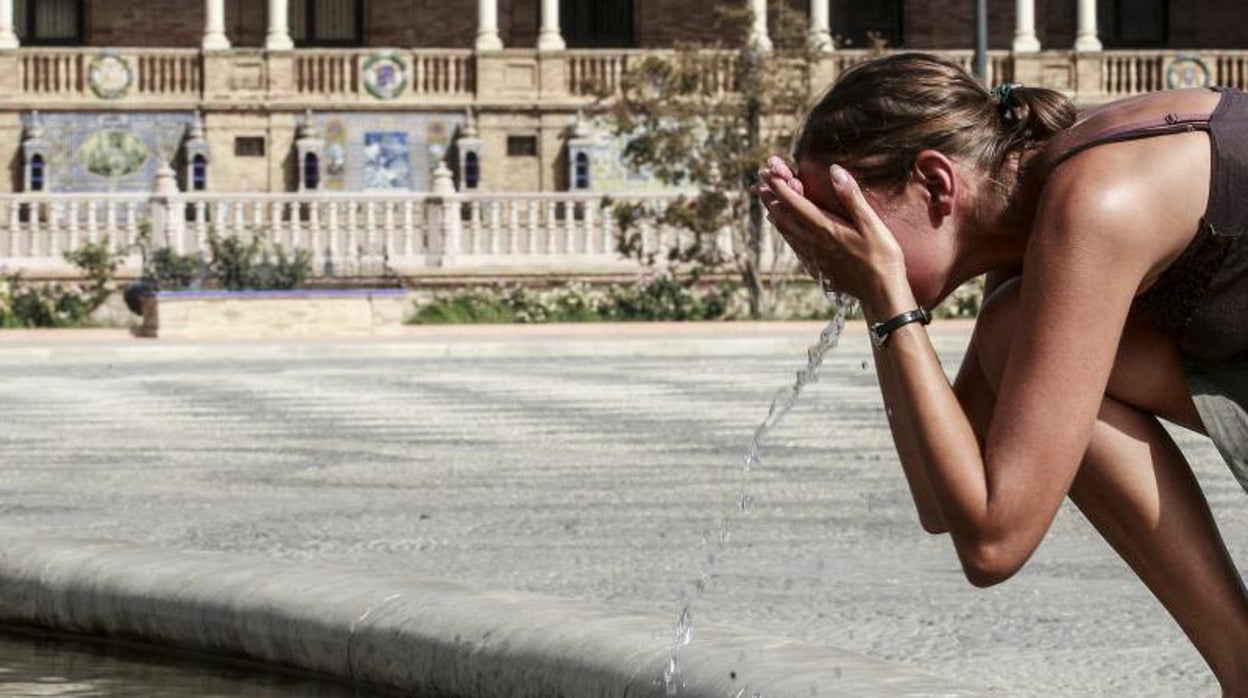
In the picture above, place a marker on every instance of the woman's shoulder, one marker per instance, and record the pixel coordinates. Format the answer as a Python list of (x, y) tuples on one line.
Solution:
[(1115, 117), (1142, 197)]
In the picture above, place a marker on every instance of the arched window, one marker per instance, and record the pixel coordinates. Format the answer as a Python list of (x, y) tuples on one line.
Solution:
[(199, 173), (581, 172), (36, 173), (472, 171), (311, 171)]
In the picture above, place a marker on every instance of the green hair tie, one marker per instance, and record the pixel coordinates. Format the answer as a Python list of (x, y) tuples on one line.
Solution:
[(1002, 94)]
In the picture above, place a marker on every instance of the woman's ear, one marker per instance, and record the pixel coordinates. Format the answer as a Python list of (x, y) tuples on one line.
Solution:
[(937, 174)]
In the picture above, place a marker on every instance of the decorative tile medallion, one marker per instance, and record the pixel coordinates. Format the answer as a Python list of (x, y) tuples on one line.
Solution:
[(385, 76), (1187, 71), (109, 75), (387, 160)]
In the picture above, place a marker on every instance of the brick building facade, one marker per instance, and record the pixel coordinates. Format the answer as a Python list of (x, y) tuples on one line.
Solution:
[(378, 92)]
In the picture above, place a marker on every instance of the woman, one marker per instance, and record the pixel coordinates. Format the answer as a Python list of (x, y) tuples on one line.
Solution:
[(1117, 283)]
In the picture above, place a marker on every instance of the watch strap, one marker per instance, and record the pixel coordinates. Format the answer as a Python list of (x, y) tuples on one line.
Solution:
[(881, 331)]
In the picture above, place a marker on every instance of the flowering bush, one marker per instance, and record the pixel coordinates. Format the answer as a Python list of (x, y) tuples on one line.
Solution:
[(652, 298), (56, 304)]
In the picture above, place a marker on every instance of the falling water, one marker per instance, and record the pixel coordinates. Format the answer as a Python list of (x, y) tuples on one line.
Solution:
[(781, 403)]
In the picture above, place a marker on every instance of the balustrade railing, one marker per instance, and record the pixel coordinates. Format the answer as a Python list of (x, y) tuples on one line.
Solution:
[(1133, 72), (346, 234), (115, 74), (425, 73)]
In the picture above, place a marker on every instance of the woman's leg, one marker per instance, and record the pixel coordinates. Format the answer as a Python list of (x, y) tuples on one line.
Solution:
[(1136, 487)]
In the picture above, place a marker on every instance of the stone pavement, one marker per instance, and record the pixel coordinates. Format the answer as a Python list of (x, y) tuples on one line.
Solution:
[(589, 462)]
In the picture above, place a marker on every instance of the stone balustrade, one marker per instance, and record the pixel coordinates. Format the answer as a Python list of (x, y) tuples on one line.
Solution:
[(50, 78), (346, 234), (127, 75)]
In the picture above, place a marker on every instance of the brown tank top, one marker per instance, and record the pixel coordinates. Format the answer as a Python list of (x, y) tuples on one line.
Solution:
[(1202, 297)]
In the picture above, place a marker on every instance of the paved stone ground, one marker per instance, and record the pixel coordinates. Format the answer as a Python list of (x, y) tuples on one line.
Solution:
[(531, 460)]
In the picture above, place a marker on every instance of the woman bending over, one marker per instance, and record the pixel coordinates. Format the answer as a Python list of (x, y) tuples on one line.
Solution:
[(1117, 261)]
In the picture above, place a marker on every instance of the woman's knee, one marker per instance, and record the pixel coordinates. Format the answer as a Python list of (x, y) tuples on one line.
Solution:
[(995, 329)]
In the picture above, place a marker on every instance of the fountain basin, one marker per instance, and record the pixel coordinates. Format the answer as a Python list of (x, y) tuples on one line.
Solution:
[(410, 634)]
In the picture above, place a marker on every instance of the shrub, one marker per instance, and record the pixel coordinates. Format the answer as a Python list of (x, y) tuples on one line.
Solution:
[(658, 298), (56, 304)]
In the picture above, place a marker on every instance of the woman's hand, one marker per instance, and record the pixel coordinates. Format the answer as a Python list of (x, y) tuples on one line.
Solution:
[(854, 254)]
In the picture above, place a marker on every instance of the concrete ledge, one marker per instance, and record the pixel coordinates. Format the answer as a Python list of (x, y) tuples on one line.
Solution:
[(429, 638), (264, 314)]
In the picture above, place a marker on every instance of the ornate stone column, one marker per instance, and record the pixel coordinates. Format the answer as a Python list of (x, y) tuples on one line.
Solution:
[(1025, 39), (278, 38), (487, 26), (820, 27), (1085, 38), (758, 32), (550, 38), (214, 26), (8, 38)]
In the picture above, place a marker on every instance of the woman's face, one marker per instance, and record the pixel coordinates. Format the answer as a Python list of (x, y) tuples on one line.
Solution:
[(907, 213)]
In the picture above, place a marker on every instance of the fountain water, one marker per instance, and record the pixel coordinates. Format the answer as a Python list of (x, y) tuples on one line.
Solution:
[(781, 403)]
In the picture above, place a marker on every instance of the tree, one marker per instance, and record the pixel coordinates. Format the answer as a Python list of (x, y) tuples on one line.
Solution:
[(704, 118)]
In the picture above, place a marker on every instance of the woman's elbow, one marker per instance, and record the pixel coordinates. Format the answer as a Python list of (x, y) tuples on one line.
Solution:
[(934, 525), (987, 565)]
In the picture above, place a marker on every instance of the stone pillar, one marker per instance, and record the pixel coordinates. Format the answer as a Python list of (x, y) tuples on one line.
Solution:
[(487, 26), (758, 32), (278, 38), (1085, 38), (1025, 39), (820, 27), (550, 38), (445, 204), (214, 27), (8, 38)]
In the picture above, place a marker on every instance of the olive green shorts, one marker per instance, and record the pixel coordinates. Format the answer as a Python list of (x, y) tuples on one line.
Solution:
[(1220, 392)]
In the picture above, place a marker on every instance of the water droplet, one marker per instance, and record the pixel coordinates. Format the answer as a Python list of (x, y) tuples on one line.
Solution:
[(684, 627), (752, 461), (670, 675), (745, 503)]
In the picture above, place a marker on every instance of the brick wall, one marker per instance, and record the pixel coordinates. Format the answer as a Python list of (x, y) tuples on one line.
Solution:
[(927, 24), (144, 23), (421, 23)]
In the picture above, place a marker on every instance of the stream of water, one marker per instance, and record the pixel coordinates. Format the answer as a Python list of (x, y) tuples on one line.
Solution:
[(781, 403)]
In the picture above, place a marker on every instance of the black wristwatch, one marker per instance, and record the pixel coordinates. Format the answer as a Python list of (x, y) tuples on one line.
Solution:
[(880, 331)]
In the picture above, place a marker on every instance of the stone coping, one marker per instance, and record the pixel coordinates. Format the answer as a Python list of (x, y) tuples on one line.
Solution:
[(414, 635), (291, 293)]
